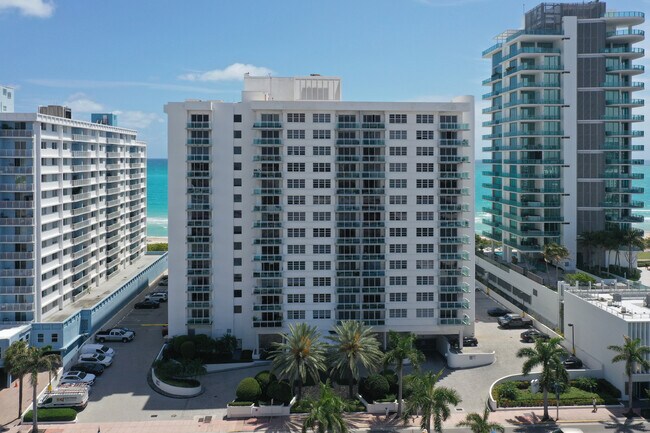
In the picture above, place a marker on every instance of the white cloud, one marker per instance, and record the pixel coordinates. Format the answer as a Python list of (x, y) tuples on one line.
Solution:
[(234, 72), (32, 8), (79, 102), (137, 119)]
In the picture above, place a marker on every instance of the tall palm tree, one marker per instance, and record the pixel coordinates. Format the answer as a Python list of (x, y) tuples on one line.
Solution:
[(353, 344), (430, 400), (401, 348), (300, 354), (15, 365), (612, 242), (634, 355), (546, 354), (553, 253), (38, 360), (480, 424), (589, 242), (632, 239), (326, 413)]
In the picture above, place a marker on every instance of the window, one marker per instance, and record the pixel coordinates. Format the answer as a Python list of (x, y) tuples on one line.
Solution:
[(237, 166), (398, 297), (295, 183), (425, 216), (236, 134), (425, 167), (321, 281), (237, 198), (295, 150), (296, 200), (296, 314), (321, 167), (236, 182), (322, 216), (40, 338), (425, 183), (321, 134), (321, 118), (425, 280), (397, 167), (425, 199), (398, 281), (424, 312), (296, 282), (448, 119), (54, 338), (236, 214), (397, 264), (424, 135), (397, 135), (295, 249), (237, 230), (321, 249), (322, 297), (425, 151), (296, 233), (398, 216), (322, 199), (236, 118), (236, 150), (425, 264), (322, 266), (296, 216), (397, 118), (321, 150), (296, 117), (296, 298), (237, 246), (296, 166), (397, 150), (322, 314), (397, 313), (237, 309), (321, 183), (425, 248), (397, 183), (236, 261), (322, 232), (237, 293), (296, 134), (424, 118), (398, 232), (425, 297), (237, 278), (424, 232), (398, 248), (397, 199)]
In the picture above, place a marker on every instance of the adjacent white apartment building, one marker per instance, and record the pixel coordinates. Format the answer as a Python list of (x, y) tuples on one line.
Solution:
[(72, 209), (7, 97), (295, 206)]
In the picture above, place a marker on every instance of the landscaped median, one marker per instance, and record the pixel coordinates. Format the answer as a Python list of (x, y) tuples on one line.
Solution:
[(52, 415)]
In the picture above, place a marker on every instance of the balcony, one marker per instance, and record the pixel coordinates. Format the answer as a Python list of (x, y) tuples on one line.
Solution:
[(625, 219), (624, 133), (459, 288), (199, 321), (271, 174), (454, 191), (462, 255), (454, 126), (530, 51), (267, 208), (267, 158), (625, 118), (347, 142), (373, 142), (625, 18), (459, 305), (624, 190), (347, 125), (623, 205), (258, 323), (633, 176), (373, 125), (267, 307), (625, 85), (524, 247), (16, 133), (267, 191), (629, 36), (533, 101), (521, 85), (453, 142), (514, 69), (17, 256), (624, 52), (267, 258), (625, 102), (494, 47), (534, 218), (199, 141), (267, 125), (198, 125), (267, 141), (454, 321), (453, 159), (628, 69), (16, 306)]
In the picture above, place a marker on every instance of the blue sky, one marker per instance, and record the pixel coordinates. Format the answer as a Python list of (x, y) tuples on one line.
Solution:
[(131, 57)]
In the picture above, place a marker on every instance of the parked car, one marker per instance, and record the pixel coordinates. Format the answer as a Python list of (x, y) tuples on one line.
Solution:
[(147, 304), (99, 349), (122, 328), (498, 312), (94, 358), (470, 341), (77, 377), (572, 363), (515, 321), (115, 334), (531, 335), (157, 296), (87, 367)]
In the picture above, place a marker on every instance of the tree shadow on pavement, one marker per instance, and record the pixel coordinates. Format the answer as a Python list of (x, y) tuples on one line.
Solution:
[(379, 422), (277, 425), (529, 418), (629, 425)]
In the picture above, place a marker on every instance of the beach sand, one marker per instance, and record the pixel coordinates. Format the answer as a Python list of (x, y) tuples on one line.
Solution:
[(156, 240)]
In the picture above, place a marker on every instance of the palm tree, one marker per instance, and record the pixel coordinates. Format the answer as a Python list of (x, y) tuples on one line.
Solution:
[(401, 348), (480, 243), (15, 366), (554, 252), (546, 354), (353, 344), (632, 238), (480, 424), (430, 400), (634, 356), (326, 414), (589, 241), (612, 242), (300, 354), (38, 360)]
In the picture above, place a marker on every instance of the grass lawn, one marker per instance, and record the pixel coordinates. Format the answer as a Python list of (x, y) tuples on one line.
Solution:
[(572, 396)]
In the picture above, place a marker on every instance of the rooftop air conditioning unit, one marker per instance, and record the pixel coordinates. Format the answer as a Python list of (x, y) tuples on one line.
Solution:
[(616, 297), (623, 310), (646, 303)]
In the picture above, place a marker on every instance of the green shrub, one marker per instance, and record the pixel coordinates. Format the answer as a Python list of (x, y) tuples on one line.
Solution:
[(388, 399), (588, 384), (248, 390), (607, 388), (407, 388), (506, 391), (158, 247), (188, 350), (375, 387), (280, 392), (54, 414), (524, 384), (302, 406), (392, 379), (246, 355), (354, 406), (176, 343), (240, 403), (265, 378)]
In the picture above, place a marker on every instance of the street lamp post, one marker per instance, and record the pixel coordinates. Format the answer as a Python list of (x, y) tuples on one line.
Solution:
[(573, 338)]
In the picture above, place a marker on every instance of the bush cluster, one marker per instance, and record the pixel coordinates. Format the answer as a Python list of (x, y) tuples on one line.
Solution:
[(580, 392), (588, 384), (161, 246), (248, 390), (374, 387), (205, 349), (264, 387), (54, 414)]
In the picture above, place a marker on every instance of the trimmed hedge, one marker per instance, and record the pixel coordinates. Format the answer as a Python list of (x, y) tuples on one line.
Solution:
[(280, 392), (54, 414), (248, 390), (375, 387), (240, 403), (265, 378), (509, 394)]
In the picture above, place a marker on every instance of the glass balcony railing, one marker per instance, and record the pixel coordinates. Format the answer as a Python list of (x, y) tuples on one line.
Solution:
[(267, 141), (624, 219), (625, 33), (267, 125)]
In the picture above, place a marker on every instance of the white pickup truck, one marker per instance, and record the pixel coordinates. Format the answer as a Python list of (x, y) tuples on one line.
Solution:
[(115, 334)]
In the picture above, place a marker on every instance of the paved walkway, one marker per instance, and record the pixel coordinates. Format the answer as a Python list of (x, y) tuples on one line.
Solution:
[(359, 422), (9, 399)]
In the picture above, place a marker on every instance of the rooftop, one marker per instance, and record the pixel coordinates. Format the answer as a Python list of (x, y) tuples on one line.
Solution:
[(628, 301)]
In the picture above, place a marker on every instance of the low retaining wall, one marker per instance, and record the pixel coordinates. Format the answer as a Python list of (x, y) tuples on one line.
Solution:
[(253, 411), (379, 408), (177, 391), (463, 360), (216, 368)]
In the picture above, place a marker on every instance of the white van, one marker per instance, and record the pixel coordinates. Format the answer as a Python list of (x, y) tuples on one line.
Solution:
[(75, 396), (99, 349)]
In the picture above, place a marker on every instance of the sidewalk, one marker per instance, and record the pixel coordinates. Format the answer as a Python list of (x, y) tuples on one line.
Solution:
[(9, 399), (359, 422)]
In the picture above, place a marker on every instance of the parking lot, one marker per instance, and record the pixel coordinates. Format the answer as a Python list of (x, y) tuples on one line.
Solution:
[(123, 394)]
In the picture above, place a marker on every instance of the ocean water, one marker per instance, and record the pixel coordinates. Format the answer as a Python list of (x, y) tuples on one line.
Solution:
[(157, 196), (480, 179)]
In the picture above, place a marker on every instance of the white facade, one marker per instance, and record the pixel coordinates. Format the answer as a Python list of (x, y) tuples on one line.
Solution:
[(72, 211), (7, 97), (295, 206)]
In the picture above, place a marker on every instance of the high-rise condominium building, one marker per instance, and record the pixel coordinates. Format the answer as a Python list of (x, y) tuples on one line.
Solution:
[(72, 209), (7, 96), (561, 113), (294, 206)]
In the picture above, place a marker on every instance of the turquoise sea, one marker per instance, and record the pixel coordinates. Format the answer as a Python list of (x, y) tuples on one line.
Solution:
[(157, 196)]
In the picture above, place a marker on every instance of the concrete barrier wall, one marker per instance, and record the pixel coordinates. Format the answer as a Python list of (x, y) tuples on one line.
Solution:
[(259, 411), (175, 390), (378, 408), (463, 360)]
